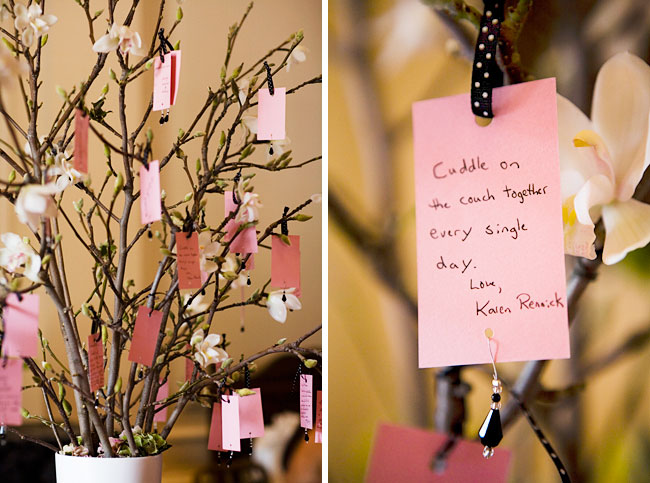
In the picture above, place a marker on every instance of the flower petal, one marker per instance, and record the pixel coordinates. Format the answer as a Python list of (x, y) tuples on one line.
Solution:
[(620, 114), (213, 339), (599, 190), (276, 308), (106, 44), (627, 226), (293, 302)]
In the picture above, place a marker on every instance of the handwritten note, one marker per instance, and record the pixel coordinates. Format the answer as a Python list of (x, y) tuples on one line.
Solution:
[(80, 154), (306, 401), (21, 325), (405, 454), (166, 77), (150, 210), (489, 229), (271, 114), (285, 263), (251, 417), (188, 261), (224, 427), (163, 393), (145, 336), (244, 241), (11, 378), (95, 361), (319, 417)]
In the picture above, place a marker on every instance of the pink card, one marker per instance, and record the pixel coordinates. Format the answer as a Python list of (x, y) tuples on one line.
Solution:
[(163, 393), (11, 381), (80, 154), (176, 73), (21, 326), (251, 417), (319, 417), (95, 361), (285, 263), (405, 454), (490, 250), (306, 401), (224, 427), (245, 241), (188, 261), (150, 210), (166, 77), (145, 336), (270, 114)]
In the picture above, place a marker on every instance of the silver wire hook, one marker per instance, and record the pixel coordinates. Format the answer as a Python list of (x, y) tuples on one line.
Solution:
[(489, 340)]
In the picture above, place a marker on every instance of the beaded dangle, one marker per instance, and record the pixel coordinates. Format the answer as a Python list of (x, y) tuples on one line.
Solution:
[(491, 433)]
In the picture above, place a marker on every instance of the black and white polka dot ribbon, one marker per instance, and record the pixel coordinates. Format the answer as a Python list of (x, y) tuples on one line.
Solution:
[(561, 469), (485, 72)]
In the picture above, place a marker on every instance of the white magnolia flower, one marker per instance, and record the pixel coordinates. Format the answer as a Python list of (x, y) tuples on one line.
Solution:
[(229, 270), (65, 171), (31, 22), (17, 253), (208, 249), (316, 198), (298, 56), (603, 160), (122, 37), (248, 208), (198, 305), (34, 201), (277, 148), (206, 351), (243, 85), (278, 307), (250, 124), (10, 67)]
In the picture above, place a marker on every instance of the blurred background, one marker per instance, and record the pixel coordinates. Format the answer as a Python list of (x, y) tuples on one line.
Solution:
[(383, 56), (67, 60)]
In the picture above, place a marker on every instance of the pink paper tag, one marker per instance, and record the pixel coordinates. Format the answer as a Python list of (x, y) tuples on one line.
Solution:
[(405, 454), (166, 77), (11, 381), (224, 427), (285, 263), (188, 261), (319, 417), (21, 326), (271, 114), (95, 361), (145, 336), (150, 210), (251, 417), (80, 155), (163, 393), (489, 229), (306, 401), (176, 73), (244, 241)]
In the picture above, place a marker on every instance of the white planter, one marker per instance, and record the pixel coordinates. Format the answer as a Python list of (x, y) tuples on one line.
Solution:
[(76, 469)]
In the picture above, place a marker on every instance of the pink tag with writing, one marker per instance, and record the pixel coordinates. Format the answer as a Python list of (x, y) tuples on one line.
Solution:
[(188, 261), (251, 417), (490, 251), (145, 336), (150, 210), (271, 114), (319, 417), (285, 263), (306, 401), (95, 361), (405, 454), (163, 393), (21, 326), (11, 381), (166, 77), (244, 241), (224, 427), (80, 154)]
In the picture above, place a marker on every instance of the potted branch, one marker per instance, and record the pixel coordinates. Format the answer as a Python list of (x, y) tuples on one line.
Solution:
[(116, 436)]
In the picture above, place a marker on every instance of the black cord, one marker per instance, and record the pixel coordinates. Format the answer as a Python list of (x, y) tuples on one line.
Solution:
[(269, 78)]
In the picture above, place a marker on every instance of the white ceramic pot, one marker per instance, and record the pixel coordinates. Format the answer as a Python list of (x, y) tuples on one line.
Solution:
[(76, 469)]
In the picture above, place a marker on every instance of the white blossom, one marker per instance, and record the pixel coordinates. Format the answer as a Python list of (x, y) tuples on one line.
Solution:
[(278, 308), (16, 253), (208, 249), (34, 201), (205, 348), (248, 207), (122, 37), (229, 271), (298, 56), (31, 22)]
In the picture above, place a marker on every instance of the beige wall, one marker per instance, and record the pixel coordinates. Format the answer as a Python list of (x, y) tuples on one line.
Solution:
[(67, 60)]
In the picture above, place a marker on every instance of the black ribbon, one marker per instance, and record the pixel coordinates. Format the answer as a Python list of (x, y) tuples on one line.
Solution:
[(269, 78), (486, 73), (165, 45), (284, 224)]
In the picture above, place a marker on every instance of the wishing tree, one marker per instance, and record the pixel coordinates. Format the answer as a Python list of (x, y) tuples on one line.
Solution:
[(203, 260)]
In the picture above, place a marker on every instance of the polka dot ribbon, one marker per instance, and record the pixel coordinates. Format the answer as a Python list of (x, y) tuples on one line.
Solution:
[(561, 469), (485, 71)]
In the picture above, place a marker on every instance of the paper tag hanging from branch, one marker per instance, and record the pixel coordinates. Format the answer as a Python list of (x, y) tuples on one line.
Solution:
[(145, 336), (246, 240), (166, 79), (11, 379), (285, 263), (20, 317), (224, 427), (95, 361), (80, 156), (188, 260), (150, 207)]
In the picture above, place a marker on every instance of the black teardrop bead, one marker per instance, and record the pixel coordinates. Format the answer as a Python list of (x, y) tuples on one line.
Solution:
[(490, 433), (248, 282), (306, 437), (284, 297), (271, 151)]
